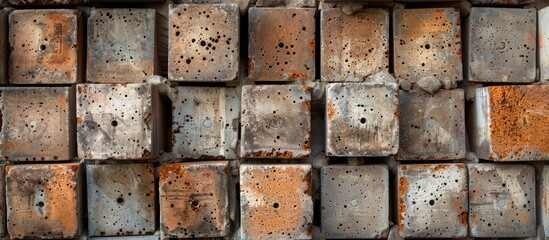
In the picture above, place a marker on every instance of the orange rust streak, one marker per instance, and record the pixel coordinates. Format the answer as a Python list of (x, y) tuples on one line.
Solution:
[(402, 190)]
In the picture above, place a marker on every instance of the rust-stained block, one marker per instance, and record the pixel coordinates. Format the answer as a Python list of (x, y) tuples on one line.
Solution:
[(121, 199), (43, 2), (543, 43), (427, 42), (44, 46), (42, 201), (353, 47), (194, 199), (281, 44), (35, 123), (121, 45), (362, 119), (204, 42), (432, 126), (275, 121), (501, 45), (148, 237), (432, 201), (276, 201), (502, 200), (509, 123)]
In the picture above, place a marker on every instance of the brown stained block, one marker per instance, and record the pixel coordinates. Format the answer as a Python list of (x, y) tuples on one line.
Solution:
[(3, 202), (281, 44), (276, 201), (4, 50), (194, 200), (43, 2), (501, 2), (42, 201), (45, 46)]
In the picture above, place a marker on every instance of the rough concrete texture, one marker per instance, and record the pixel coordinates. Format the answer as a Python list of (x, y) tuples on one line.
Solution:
[(42, 201), (121, 199), (43, 2), (276, 201), (429, 84), (4, 50), (543, 43), (501, 2), (35, 123), (205, 122), (242, 4), (281, 44), (432, 126), (355, 201), (127, 238), (353, 47), (275, 121), (544, 198), (286, 3), (432, 201), (204, 42), (3, 202), (361, 119), (501, 45), (194, 199), (509, 123), (44, 46), (502, 200), (427, 42)]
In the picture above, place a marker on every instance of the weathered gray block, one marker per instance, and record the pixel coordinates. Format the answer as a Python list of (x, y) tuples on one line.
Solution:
[(44, 2), (242, 4), (152, 237), (501, 45), (543, 43), (121, 199), (3, 202), (362, 119), (355, 201), (544, 198), (502, 2), (502, 200), (4, 49)]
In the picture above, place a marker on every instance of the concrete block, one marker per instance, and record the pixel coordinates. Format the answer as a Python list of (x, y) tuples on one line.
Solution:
[(4, 49), (275, 121), (121, 45), (501, 2), (152, 237), (432, 201), (3, 202), (502, 200), (501, 45), (205, 122), (281, 44), (543, 43), (355, 201), (544, 198), (362, 119), (43, 2), (427, 42), (242, 4), (353, 47), (204, 42), (432, 126), (121, 199), (509, 123), (42, 201), (194, 199), (276, 201), (36, 123)]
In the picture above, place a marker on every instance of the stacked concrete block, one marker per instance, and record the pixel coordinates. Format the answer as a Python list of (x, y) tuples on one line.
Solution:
[(44, 2), (501, 2), (3, 202), (4, 50), (544, 198), (152, 237), (543, 43)]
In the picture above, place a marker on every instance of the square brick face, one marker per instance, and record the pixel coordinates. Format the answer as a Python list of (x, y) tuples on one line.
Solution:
[(502, 200), (362, 119), (353, 46), (194, 200), (276, 121), (121, 45), (121, 199), (428, 193), (35, 123), (44, 46), (543, 43), (427, 42), (42, 201), (355, 201), (204, 42), (282, 44), (276, 201)]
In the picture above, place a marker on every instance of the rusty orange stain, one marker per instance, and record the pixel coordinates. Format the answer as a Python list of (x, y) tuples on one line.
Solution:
[(402, 190), (442, 167), (274, 153), (297, 76), (251, 66), (331, 110), (79, 121), (463, 219)]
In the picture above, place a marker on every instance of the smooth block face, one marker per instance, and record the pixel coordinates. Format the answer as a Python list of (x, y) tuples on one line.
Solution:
[(432, 200), (194, 200), (502, 45), (35, 123), (502, 200), (121, 45), (427, 42), (355, 201), (276, 201), (543, 43), (432, 126), (42, 201), (282, 44), (353, 46), (121, 199), (276, 121), (362, 119), (204, 42), (44, 46)]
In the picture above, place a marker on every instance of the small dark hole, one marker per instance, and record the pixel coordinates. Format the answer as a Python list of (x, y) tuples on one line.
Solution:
[(432, 202), (195, 204), (40, 204), (114, 123), (280, 44), (120, 200), (427, 46), (276, 205), (202, 43), (42, 47), (363, 120)]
